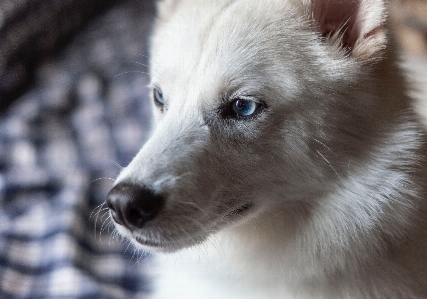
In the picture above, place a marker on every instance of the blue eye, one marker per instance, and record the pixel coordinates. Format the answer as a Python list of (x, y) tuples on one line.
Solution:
[(158, 97), (244, 108)]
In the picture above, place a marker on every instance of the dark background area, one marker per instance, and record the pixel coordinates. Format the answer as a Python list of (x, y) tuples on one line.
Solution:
[(31, 30)]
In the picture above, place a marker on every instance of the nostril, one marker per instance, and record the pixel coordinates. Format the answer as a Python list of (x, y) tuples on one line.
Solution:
[(134, 213), (113, 202), (136, 217), (110, 205)]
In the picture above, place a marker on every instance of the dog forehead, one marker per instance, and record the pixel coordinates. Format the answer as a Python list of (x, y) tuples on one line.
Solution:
[(206, 48)]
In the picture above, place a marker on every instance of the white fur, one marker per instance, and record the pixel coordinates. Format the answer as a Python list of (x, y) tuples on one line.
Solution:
[(333, 168)]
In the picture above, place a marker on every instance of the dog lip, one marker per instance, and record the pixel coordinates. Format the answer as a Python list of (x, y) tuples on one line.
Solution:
[(240, 209), (168, 245), (148, 243)]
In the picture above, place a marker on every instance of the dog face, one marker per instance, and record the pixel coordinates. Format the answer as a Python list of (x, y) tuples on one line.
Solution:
[(242, 94)]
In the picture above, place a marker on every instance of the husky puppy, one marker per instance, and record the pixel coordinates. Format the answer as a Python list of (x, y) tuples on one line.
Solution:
[(286, 161)]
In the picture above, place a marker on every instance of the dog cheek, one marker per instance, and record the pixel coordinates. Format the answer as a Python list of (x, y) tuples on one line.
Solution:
[(233, 168)]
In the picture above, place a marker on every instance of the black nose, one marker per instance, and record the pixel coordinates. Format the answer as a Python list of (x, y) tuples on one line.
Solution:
[(132, 206)]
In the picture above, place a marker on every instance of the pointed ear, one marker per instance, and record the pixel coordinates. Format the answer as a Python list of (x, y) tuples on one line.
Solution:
[(357, 26), (166, 8)]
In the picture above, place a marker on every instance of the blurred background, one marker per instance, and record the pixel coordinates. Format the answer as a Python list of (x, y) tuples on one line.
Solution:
[(74, 109)]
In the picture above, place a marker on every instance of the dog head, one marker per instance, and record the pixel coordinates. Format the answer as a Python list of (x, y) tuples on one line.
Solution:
[(253, 110)]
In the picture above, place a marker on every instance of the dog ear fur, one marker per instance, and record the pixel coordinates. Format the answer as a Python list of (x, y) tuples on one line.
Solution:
[(166, 8), (357, 26)]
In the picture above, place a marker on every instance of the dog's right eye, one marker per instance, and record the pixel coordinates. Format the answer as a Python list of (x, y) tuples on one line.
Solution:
[(158, 97), (242, 108)]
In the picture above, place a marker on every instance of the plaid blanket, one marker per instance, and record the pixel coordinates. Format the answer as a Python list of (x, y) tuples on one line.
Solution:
[(30, 29), (61, 145)]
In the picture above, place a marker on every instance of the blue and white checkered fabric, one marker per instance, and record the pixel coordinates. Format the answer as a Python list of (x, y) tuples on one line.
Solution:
[(61, 145)]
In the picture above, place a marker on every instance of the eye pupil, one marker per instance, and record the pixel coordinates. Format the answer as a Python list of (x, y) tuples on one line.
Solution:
[(241, 105), (244, 108)]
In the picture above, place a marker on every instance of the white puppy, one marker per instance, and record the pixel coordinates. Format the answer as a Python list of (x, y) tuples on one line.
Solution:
[(286, 162)]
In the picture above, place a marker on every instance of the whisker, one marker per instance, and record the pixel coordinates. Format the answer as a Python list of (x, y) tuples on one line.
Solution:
[(127, 247), (138, 63), (221, 253), (103, 178), (188, 234), (94, 210), (104, 226), (324, 145), (95, 213), (145, 255), (152, 60), (330, 165), (103, 215), (121, 167), (130, 72)]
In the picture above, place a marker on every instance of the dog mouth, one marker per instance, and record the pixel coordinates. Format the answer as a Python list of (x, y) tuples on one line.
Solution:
[(240, 210), (169, 245), (149, 243)]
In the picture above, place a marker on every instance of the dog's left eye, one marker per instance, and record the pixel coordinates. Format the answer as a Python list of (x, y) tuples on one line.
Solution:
[(158, 97), (244, 108)]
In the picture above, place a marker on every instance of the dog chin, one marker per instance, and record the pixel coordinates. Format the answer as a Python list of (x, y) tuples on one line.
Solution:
[(158, 245), (161, 246), (165, 246)]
